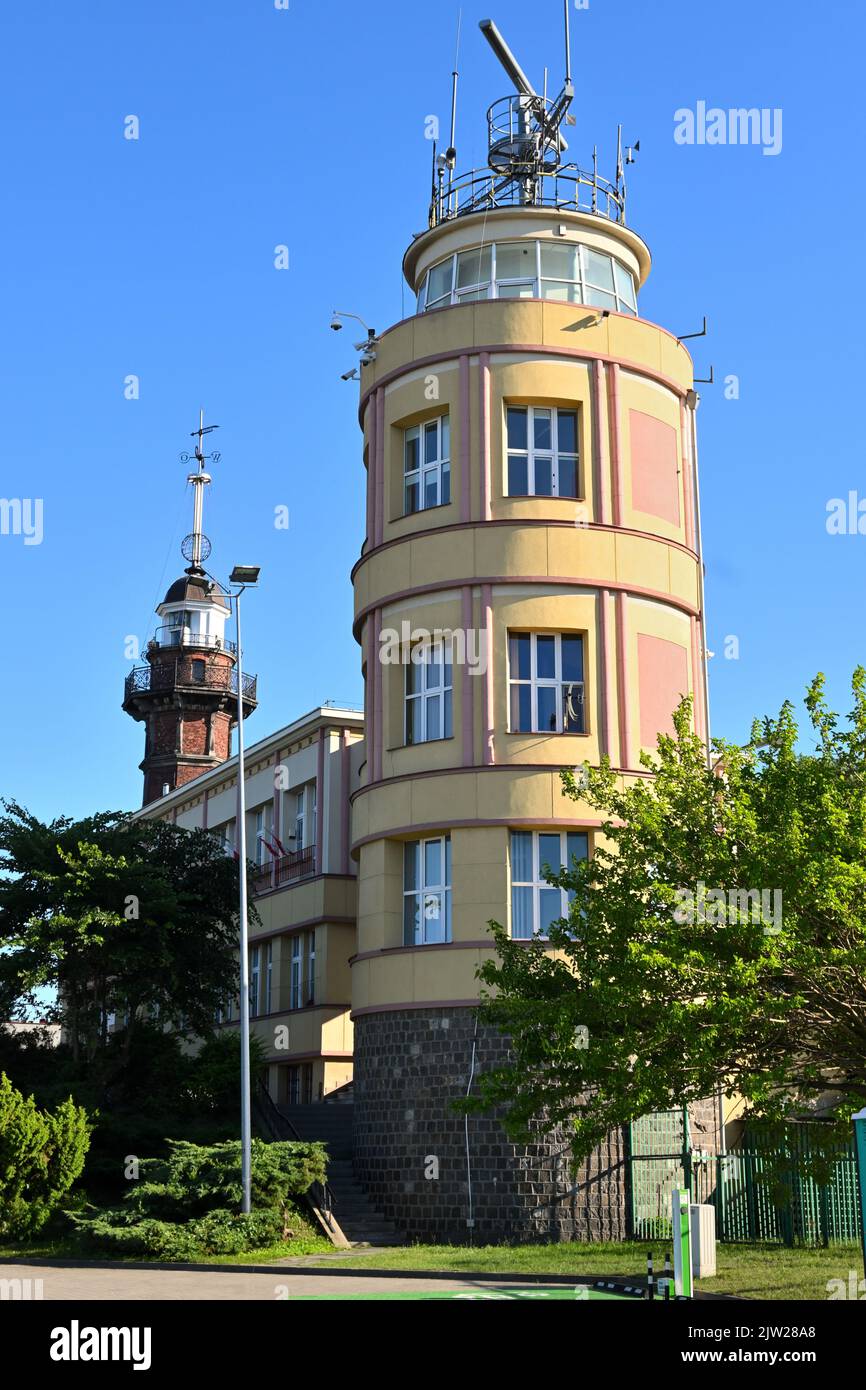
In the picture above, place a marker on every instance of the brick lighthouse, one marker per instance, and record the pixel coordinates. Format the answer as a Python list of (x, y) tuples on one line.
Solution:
[(186, 694), (529, 443)]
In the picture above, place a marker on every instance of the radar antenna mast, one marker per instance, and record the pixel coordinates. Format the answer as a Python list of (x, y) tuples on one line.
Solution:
[(525, 139), (525, 149)]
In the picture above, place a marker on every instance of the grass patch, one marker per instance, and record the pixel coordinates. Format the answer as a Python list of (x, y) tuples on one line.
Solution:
[(749, 1271)]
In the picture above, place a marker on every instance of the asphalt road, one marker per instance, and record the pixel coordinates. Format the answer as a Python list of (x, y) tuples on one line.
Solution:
[(70, 1282)]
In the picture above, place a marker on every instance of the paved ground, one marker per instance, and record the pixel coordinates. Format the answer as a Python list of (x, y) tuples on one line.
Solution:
[(74, 1282)]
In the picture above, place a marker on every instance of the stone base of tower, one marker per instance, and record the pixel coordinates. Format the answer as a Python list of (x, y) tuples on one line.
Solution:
[(409, 1067)]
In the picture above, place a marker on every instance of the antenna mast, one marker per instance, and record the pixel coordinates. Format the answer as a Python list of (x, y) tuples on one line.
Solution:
[(451, 152), (196, 547), (525, 148)]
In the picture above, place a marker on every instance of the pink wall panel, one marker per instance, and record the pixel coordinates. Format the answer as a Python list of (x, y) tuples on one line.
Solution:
[(655, 483), (663, 679)]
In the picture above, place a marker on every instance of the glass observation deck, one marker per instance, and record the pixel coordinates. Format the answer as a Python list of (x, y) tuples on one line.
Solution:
[(567, 271)]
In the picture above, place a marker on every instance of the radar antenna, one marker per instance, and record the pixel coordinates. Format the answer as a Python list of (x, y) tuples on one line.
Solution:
[(525, 149), (525, 141)]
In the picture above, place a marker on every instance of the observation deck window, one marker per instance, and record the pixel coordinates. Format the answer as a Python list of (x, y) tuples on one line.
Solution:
[(566, 271)]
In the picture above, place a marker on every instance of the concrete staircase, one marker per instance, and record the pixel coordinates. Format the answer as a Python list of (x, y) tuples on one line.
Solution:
[(327, 1124), (355, 1214), (359, 1220)]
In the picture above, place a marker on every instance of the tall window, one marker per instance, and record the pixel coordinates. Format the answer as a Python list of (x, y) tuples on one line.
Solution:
[(427, 891), (269, 975), (429, 693), (178, 627), (225, 834), (297, 965), (255, 975), (542, 452), (264, 816), (293, 1085), (300, 819), (311, 970), (535, 903), (546, 689), (427, 465)]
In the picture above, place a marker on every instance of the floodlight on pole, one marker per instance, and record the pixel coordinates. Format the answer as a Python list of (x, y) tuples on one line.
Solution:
[(245, 576)]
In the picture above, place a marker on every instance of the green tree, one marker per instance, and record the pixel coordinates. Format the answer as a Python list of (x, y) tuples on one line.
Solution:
[(213, 1075), (672, 976), (41, 1155), (124, 917)]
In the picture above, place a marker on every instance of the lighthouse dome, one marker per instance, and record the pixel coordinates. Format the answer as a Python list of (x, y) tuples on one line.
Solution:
[(196, 588)]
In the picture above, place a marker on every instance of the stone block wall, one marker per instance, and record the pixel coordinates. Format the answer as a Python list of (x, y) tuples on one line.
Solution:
[(410, 1145)]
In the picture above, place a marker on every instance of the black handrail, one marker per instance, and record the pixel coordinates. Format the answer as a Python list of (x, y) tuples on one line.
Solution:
[(288, 868), (168, 675), (174, 637), (281, 1128)]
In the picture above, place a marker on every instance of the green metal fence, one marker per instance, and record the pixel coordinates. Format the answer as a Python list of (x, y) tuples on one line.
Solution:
[(764, 1190)]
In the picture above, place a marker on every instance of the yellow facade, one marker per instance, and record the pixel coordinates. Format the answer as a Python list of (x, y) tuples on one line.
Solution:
[(617, 565), (304, 899)]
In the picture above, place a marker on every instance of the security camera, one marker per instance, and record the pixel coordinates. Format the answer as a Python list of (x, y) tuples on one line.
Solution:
[(336, 325), (368, 359), (350, 376)]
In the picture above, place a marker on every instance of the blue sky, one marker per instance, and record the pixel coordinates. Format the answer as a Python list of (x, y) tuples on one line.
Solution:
[(305, 127)]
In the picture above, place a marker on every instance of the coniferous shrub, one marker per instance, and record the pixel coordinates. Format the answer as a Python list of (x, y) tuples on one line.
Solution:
[(41, 1155), (187, 1205)]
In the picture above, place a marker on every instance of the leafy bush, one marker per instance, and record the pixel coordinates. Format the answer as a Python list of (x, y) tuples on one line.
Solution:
[(41, 1155), (185, 1205)]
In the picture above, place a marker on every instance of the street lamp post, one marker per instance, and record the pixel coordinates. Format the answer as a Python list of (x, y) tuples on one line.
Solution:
[(246, 576)]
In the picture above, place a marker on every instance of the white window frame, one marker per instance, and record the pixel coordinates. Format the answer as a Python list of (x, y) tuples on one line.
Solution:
[(225, 835), (578, 284), (269, 976), (538, 883), (437, 471), (296, 971), (426, 692), (432, 900), (532, 281), (179, 624), (264, 823), (448, 297), (479, 289), (585, 288), (310, 991), (255, 980), (555, 682), (551, 455)]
